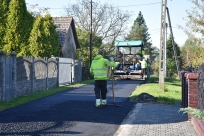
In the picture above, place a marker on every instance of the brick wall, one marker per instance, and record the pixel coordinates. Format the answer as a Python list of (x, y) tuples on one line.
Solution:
[(192, 81)]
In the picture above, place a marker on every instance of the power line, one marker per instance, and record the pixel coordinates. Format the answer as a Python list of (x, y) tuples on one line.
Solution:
[(154, 29), (154, 33), (140, 4), (114, 6)]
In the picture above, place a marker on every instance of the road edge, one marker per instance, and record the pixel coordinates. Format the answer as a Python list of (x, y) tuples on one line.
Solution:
[(126, 126)]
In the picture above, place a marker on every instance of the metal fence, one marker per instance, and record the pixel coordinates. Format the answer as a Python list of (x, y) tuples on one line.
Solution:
[(65, 70)]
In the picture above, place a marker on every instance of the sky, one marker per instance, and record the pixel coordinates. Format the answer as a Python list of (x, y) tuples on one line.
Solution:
[(151, 11)]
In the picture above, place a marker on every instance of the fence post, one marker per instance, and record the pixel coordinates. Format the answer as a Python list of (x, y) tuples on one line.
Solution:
[(3, 75), (32, 72), (80, 67), (72, 71), (184, 89), (57, 71), (13, 55), (46, 73)]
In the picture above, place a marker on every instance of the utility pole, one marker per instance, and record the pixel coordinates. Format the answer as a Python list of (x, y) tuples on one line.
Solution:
[(173, 44), (162, 63), (165, 69), (91, 34)]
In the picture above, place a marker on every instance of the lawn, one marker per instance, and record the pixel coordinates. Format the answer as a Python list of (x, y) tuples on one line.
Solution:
[(170, 95)]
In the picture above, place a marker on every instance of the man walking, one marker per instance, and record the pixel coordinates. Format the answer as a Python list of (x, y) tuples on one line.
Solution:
[(99, 68)]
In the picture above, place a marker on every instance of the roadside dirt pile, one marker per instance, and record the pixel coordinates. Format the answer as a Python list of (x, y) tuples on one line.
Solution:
[(145, 98)]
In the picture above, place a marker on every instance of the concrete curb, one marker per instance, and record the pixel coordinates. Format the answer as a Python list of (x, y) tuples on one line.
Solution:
[(126, 126)]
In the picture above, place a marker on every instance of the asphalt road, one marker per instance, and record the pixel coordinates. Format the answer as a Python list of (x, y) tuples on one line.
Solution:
[(71, 112)]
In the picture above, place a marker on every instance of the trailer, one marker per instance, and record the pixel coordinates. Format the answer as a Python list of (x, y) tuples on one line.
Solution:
[(128, 54)]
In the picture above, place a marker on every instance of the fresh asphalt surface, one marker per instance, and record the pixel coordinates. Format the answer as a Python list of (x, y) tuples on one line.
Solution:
[(71, 112)]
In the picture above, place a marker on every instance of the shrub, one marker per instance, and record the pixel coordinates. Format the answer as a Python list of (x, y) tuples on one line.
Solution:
[(197, 113)]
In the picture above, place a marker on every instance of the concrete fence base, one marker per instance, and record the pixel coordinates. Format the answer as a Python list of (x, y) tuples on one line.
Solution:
[(21, 76)]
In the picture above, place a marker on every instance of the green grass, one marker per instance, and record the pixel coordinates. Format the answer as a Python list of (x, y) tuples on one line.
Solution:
[(170, 95), (39, 94)]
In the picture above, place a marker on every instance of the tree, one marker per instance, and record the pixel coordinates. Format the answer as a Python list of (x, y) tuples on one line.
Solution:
[(169, 48), (36, 39), (192, 54), (4, 4), (154, 61), (193, 48), (109, 22), (170, 63), (194, 22), (139, 31), (18, 27), (84, 50), (43, 41), (51, 37), (155, 67)]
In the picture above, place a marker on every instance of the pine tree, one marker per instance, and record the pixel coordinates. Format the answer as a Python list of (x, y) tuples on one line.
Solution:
[(171, 63), (139, 31), (36, 39), (169, 48), (43, 41), (18, 27), (4, 4), (51, 37)]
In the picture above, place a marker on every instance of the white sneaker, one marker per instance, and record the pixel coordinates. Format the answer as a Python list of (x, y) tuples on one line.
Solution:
[(98, 103), (104, 102)]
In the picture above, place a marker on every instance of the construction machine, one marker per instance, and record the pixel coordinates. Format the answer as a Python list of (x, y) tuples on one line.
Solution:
[(128, 53)]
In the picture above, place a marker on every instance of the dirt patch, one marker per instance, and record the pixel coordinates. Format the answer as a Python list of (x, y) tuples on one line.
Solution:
[(145, 98)]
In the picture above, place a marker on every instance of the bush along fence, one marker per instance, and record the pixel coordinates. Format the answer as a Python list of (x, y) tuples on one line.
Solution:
[(193, 95), (21, 75)]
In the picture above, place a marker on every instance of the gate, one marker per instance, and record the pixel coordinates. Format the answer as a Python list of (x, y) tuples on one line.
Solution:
[(9, 78), (201, 87), (65, 70), (184, 91)]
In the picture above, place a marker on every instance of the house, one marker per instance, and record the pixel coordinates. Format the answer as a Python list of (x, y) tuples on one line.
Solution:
[(66, 30)]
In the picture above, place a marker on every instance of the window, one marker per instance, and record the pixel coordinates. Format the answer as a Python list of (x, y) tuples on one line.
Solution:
[(135, 50), (124, 50)]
